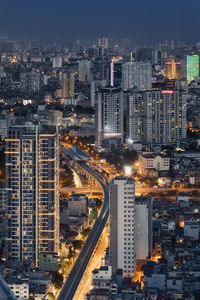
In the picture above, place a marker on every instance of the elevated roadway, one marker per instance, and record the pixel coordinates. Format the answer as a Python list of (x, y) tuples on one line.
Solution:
[(69, 289)]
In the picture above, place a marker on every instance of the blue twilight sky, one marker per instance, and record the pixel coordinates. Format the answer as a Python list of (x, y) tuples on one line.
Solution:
[(139, 20)]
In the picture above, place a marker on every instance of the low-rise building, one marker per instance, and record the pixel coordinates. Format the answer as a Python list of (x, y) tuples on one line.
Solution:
[(195, 179), (78, 205), (148, 161), (19, 288), (102, 277), (192, 229), (155, 280), (183, 200), (48, 262)]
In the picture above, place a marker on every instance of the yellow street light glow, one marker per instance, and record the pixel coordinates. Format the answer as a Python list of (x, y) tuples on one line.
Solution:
[(137, 164)]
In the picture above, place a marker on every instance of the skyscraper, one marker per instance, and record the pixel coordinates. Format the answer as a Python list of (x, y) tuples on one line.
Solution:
[(32, 183), (109, 117), (68, 85), (143, 227), (137, 75), (192, 67), (122, 225)]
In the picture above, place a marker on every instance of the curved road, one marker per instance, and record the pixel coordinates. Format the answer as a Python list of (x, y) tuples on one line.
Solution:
[(74, 278)]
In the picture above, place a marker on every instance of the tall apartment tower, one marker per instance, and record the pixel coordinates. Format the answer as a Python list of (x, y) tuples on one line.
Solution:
[(137, 75), (31, 81), (84, 70), (164, 117), (134, 106), (143, 227), (109, 117), (122, 225), (95, 85), (68, 85), (32, 187)]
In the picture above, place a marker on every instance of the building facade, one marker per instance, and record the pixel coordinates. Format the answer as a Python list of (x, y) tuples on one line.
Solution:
[(148, 160), (157, 116), (32, 187), (116, 71), (95, 85), (137, 75), (78, 205), (143, 227)]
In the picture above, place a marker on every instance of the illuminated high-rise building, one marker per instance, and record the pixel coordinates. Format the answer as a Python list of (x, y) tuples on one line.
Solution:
[(137, 75), (134, 106), (165, 117), (122, 251), (109, 117), (32, 186), (192, 67), (68, 85), (173, 69), (157, 116), (116, 71)]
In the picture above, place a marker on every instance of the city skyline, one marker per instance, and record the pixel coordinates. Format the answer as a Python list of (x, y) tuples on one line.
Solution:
[(99, 150)]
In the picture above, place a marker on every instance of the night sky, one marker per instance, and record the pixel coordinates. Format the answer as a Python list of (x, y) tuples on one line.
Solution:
[(139, 20)]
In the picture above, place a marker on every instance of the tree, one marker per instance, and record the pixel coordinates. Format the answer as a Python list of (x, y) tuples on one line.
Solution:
[(51, 296), (85, 232), (93, 215), (98, 203), (58, 281), (77, 244)]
